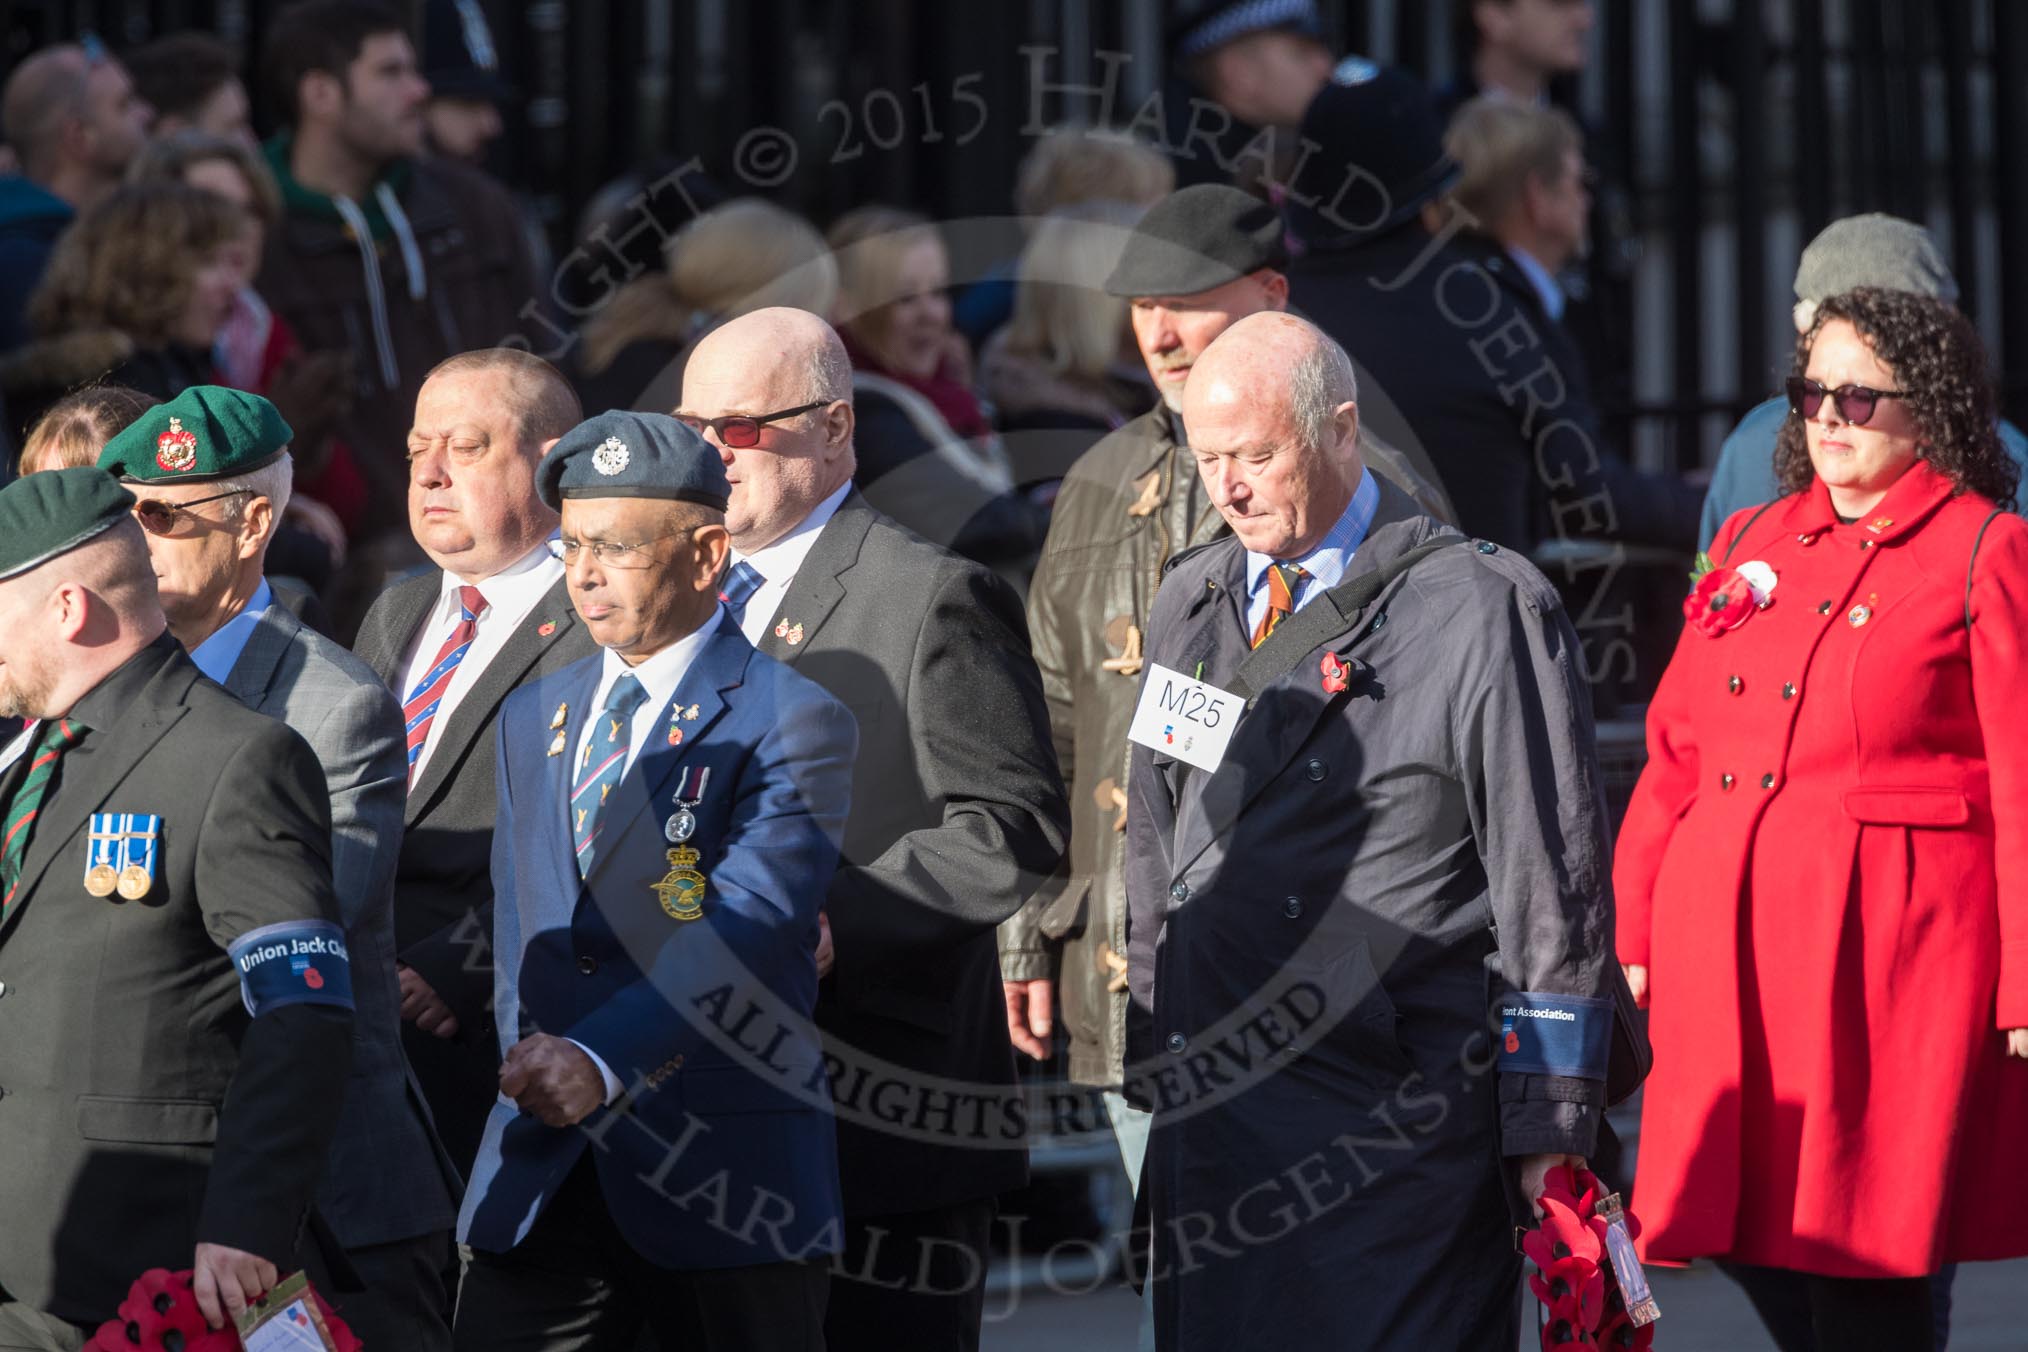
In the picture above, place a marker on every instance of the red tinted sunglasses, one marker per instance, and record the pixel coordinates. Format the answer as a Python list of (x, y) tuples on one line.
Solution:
[(740, 432)]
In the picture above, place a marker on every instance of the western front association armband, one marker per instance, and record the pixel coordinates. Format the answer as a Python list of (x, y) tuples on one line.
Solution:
[(296, 962), (1543, 1034)]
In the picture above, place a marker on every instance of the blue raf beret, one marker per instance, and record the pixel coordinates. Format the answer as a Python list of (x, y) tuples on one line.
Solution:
[(621, 454)]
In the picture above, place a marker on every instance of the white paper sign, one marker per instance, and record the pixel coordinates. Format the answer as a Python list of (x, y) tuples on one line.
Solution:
[(1184, 718)]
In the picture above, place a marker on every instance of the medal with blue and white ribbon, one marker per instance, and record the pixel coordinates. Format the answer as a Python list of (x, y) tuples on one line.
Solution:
[(682, 824), (137, 856), (101, 877)]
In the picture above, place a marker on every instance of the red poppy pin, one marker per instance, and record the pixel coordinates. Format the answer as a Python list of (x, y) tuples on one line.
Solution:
[(1724, 597), (545, 629), (675, 735), (1334, 673)]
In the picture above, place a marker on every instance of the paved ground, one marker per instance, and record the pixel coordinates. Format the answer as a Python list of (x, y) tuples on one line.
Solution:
[(1701, 1312)]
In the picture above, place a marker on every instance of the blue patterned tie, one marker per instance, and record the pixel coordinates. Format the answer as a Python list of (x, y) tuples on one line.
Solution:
[(600, 766), (740, 585)]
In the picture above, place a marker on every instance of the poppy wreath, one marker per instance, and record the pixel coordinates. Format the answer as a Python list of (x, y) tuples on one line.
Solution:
[(160, 1314), (1573, 1279)]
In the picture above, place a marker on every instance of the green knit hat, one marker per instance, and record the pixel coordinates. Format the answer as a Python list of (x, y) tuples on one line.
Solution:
[(206, 432), (52, 513)]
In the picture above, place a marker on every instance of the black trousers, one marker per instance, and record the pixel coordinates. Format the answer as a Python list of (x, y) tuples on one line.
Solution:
[(405, 1303), (914, 1280), (576, 1285), (1808, 1313)]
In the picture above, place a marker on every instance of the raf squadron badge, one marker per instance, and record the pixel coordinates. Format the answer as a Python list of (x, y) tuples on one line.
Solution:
[(682, 887)]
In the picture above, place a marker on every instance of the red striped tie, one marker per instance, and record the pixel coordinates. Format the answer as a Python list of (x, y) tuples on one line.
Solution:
[(419, 710), (56, 738)]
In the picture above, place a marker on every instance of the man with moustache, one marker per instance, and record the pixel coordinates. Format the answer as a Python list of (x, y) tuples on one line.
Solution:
[(452, 643), (174, 985), (645, 1168), (213, 473), (957, 816), (1400, 848), (1200, 260)]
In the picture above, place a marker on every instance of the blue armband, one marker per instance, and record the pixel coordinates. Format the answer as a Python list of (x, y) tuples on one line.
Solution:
[(297, 962), (1543, 1034)]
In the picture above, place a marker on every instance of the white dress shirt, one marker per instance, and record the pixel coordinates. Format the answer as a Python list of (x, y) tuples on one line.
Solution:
[(659, 676), (779, 562), (511, 595)]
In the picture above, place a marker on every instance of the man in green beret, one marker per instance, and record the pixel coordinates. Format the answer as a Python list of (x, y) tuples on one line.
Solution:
[(211, 472), (175, 990)]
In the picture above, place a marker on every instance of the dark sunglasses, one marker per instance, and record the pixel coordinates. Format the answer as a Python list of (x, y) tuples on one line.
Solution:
[(160, 518), (1855, 403), (740, 432)]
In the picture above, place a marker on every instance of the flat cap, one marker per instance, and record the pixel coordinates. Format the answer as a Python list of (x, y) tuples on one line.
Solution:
[(1874, 250), (1197, 238), (51, 513), (207, 432), (622, 454)]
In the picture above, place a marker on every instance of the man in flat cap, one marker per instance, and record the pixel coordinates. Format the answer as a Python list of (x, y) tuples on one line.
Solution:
[(957, 816), (662, 1154), (175, 992), (1200, 260), (211, 472)]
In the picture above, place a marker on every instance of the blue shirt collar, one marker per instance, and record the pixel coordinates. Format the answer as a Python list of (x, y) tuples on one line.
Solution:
[(1539, 277), (1325, 565), (219, 654)]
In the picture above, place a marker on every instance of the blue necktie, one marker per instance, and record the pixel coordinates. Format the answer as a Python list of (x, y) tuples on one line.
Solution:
[(600, 766), (740, 584)]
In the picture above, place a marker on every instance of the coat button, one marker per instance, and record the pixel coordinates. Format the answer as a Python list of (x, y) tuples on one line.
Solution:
[(1866, 544), (1179, 891), (1806, 539), (1488, 547), (587, 964), (1177, 1042), (1789, 690), (1823, 607), (1726, 781), (1767, 781), (3, 988), (1293, 907), (1316, 770), (1735, 685)]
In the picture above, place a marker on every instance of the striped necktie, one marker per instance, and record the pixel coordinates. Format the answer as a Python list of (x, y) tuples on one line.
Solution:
[(1282, 580), (58, 736), (601, 765), (419, 710), (740, 585)]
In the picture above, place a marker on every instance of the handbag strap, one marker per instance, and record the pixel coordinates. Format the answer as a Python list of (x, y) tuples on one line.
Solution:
[(1294, 638), (1973, 562)]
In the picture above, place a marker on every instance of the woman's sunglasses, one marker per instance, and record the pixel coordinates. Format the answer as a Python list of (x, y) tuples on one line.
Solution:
[(740, 432), (1855, 403)]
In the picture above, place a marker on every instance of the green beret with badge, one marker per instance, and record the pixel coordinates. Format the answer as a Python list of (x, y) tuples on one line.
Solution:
[(623, 454), (51, 513), (207, 432)]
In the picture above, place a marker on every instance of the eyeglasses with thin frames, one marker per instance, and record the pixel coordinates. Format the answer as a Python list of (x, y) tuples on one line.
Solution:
[(740, 431), (161, 518), (616, 553)]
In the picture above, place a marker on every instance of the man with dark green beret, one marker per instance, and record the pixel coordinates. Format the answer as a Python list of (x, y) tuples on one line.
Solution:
[(175, 988), (1200, 260), (212, 474)]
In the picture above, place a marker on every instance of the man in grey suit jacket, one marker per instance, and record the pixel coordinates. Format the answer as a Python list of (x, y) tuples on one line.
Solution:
[(482, 423), (388, 1193), (957, 816)]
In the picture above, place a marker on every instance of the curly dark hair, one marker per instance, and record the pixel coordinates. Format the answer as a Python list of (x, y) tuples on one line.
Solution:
[(1936, 356), (130, 260)]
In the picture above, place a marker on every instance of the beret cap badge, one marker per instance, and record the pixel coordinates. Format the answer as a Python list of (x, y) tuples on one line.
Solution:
[(176, 449), (611, 457)]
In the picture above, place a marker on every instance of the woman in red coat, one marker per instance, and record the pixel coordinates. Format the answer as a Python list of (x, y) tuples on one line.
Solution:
[(1822, 881)]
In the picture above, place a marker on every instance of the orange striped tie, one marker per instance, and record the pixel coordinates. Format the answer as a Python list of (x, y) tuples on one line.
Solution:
[(1282, 580)]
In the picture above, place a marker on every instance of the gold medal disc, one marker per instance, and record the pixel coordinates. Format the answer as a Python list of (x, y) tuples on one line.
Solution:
[(135, 882), (101, 880)]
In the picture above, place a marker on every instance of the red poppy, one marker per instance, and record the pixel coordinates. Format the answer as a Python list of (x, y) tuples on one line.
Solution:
[(1721, 600), (1334, 673)]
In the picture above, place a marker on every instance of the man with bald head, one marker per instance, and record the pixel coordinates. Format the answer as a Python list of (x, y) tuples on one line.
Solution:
[(74, 120), (1403, 839), (452, 644), (177, 983), (957, 815)]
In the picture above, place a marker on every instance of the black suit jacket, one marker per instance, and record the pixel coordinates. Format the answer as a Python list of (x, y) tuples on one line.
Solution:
[(958, 815), (142, 1109), (443, 887)]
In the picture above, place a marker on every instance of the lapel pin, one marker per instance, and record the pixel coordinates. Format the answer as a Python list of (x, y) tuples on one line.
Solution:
[(782, 627), (675, 735), (1879, 524), (795, 635), (1150, 485), (556, 745), (545, 629), (1334, 673), (561, 715), (690, 713)]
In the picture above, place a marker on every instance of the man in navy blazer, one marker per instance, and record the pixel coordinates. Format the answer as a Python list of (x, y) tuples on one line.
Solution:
[(662, 1154)]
